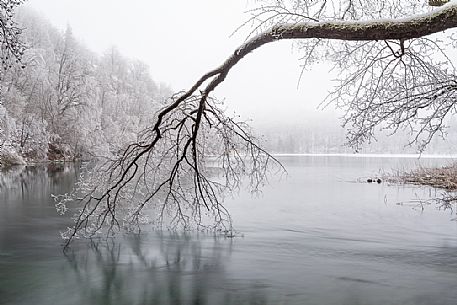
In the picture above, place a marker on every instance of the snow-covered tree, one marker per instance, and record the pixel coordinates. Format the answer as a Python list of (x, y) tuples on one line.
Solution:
[(11, 51), (68, 103), (11, 45)]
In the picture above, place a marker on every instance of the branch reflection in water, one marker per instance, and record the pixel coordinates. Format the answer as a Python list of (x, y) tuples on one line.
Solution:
[(162, 268)]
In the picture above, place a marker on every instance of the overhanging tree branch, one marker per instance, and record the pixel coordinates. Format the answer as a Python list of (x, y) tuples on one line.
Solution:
[(409, 28), (168, 166)]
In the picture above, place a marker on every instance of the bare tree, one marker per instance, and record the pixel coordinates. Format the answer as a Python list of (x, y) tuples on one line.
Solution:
[(194, 153)]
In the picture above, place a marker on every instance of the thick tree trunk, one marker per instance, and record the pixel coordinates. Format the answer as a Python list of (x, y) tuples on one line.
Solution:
[(437, 2), (400, 29)]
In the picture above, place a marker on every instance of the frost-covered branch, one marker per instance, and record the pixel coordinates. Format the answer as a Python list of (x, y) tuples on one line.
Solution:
[(193, 153)]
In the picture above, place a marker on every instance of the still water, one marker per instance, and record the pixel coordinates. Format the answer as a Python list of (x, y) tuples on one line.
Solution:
[(317, 236)]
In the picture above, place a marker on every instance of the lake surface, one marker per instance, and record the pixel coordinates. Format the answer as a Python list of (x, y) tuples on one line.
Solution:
[(317, 236)]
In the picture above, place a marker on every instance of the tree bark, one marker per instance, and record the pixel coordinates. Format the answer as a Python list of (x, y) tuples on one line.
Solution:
[(437, 2)]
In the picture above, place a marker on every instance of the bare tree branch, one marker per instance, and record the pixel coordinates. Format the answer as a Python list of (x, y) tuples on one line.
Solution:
[(194, 153)]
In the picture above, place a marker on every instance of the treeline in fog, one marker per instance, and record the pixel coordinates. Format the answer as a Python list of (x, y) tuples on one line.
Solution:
[(326, 136), (64, 102)]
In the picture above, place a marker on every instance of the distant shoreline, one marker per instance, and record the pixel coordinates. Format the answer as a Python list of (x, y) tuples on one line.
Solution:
[(411, 156)]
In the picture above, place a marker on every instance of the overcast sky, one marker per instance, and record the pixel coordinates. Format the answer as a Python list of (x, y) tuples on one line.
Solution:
[(181, 39)]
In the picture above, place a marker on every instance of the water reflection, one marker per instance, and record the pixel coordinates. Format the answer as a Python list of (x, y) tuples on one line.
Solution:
[(158, 268), (37, 181)]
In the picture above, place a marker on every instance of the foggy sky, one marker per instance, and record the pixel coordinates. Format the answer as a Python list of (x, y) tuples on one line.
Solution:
[(181, 40)]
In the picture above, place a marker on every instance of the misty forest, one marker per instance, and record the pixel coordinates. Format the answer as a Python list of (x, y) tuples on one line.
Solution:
[(120, 186)]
